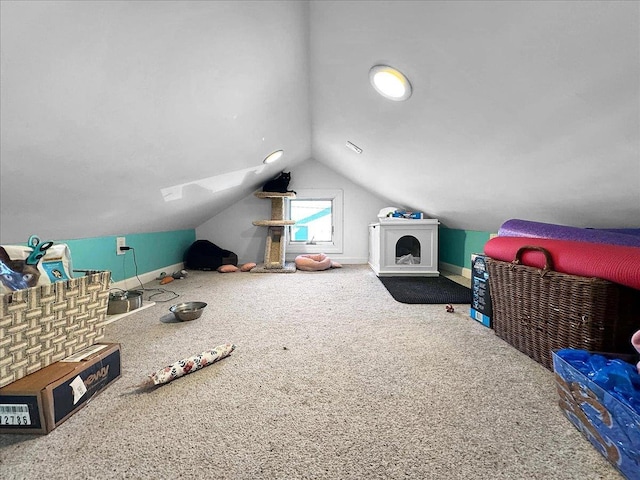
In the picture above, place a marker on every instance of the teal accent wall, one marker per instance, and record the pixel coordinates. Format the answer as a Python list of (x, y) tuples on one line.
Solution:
[(456, 246), (152, 251)]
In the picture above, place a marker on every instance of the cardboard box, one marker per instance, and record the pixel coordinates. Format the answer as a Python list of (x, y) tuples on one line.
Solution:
[(40, 402), (408, 215), (481, 297), (611, 426)]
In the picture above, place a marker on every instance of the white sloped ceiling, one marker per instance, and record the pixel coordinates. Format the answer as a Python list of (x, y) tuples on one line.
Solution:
[(520, 109), (126, 117), (145, 116)]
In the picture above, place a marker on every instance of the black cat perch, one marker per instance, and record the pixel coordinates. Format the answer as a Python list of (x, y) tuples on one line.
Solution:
[(274, 252)]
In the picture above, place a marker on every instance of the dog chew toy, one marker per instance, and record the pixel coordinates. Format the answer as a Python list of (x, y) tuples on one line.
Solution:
[(165, 280), (180, 274), (190, 364), (227, 268)]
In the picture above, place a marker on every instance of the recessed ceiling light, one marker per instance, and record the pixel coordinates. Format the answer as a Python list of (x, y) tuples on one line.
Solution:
[(390, 83), (273, 156)]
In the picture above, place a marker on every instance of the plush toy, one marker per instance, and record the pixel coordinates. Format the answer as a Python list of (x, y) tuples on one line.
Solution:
[(227, 268), (635, 341), (188, 365)]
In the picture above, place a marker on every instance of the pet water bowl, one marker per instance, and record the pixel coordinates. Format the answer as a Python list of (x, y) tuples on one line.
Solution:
[(124, 301), (188, 310)]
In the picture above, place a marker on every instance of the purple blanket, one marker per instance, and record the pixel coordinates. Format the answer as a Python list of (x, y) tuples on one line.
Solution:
[(629, 237)]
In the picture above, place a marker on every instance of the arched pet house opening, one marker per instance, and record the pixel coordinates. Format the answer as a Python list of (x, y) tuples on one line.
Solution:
[(403, 247), (408, 250)]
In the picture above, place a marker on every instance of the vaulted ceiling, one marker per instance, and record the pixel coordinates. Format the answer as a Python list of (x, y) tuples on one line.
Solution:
[(148, 116)]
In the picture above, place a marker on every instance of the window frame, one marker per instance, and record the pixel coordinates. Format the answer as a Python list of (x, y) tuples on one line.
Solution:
[(336, 197)]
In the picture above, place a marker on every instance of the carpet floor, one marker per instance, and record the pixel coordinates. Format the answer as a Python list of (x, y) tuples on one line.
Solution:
[(331, 379)]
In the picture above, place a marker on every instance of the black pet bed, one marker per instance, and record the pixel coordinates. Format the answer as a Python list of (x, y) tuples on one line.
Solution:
[(205, 255), (426, 290)]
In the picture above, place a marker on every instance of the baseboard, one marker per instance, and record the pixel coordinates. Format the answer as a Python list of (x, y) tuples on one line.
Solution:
[(455, 269), (132, 283)]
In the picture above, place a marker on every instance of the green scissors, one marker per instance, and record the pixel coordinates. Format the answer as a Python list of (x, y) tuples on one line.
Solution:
[(39, 249)]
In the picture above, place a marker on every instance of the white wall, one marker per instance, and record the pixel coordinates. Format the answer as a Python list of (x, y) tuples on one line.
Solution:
[(232, 229)]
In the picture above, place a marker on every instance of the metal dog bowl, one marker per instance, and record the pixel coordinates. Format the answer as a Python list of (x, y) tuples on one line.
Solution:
[(188, 310)]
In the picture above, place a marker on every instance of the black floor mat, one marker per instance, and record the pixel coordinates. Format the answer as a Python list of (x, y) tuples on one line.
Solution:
[(426, 290)]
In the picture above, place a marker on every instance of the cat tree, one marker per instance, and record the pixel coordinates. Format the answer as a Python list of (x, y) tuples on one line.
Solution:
[(274, 252)]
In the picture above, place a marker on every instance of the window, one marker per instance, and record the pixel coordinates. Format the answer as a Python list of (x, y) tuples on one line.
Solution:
[(318, 216)]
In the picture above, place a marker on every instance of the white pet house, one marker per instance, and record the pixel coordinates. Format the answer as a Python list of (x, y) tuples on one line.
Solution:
[(404, 247)]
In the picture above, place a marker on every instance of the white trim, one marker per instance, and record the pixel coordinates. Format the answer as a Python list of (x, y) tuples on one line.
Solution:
[(336, 196), (132, 283), (455, 269), (114, 318)]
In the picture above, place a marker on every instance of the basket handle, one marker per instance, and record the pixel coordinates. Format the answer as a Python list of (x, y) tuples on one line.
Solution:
[(548, 262)]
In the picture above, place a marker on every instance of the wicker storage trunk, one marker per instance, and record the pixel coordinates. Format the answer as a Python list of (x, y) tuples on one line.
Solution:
[(538, 311), (46, 323)]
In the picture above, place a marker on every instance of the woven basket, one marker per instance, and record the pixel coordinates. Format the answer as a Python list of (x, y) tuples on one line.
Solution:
[(538, 311), (46, 323)]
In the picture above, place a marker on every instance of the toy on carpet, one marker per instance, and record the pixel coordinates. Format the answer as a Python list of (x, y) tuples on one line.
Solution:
[(190, 364), (180, 274), (635, 341), (450, 308), (227, 268), (315, 262), (232, 268)]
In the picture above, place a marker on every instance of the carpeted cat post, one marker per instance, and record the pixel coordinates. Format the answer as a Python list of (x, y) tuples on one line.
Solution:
[(274, 253)]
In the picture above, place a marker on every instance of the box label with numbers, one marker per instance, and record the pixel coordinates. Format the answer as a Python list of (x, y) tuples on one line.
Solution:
[(40, 402)]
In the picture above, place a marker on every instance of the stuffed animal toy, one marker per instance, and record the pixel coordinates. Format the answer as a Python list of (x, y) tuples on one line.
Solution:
[(180, 274), (227, 268), (189, 365), (635, 341)]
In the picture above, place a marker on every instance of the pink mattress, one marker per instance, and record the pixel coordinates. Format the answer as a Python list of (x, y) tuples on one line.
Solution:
[(616, 263)]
